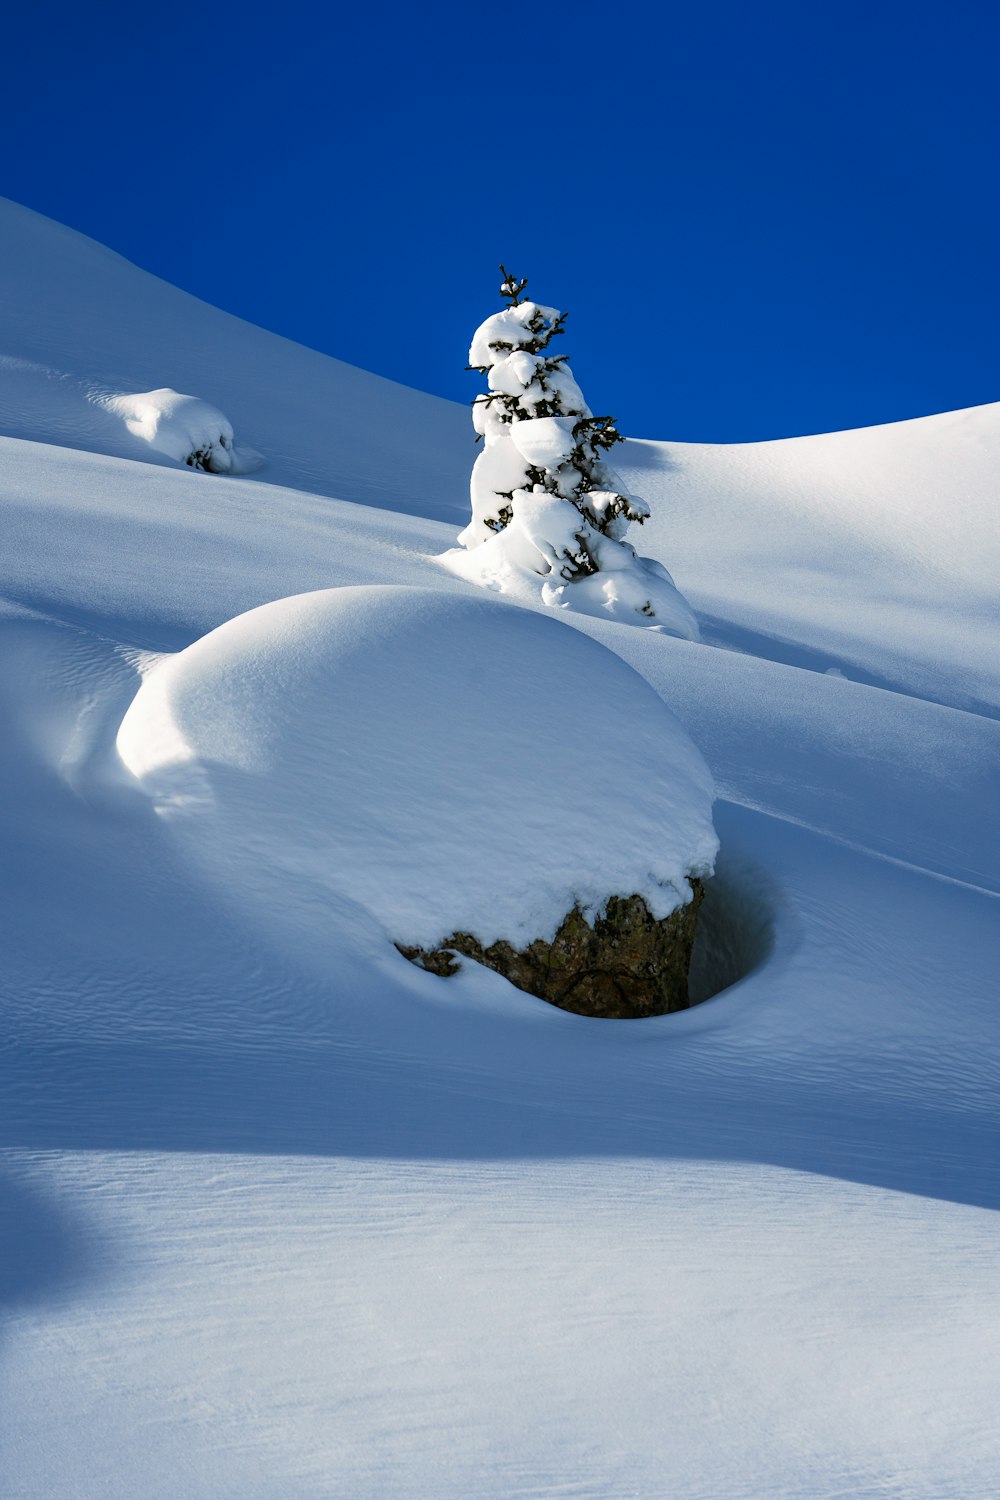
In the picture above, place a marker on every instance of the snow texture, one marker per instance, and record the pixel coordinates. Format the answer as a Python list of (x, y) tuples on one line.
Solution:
[(433, 759), (283, 1217)]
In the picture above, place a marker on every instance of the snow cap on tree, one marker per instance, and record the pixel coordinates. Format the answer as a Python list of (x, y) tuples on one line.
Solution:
[(545, 501), (560, 450)]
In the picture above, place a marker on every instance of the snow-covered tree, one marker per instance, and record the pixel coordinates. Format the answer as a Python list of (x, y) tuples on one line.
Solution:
[(185, 428), (548, 510)]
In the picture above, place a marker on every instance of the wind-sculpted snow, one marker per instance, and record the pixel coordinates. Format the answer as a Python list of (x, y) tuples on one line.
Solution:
[(875, 552), (437, 760), (284, 1217)]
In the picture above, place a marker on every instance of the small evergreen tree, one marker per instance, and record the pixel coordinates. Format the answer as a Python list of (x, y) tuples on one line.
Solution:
[(545, 500), (527, 383)]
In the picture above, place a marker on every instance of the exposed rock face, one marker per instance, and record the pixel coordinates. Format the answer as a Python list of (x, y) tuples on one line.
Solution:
[(625, 966)]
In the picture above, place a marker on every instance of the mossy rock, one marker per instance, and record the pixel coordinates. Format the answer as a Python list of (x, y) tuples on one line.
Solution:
[(628, 964)]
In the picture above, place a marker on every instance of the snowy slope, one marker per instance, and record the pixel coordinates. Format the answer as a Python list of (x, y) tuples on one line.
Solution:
[(79, 324), (875, 552), (284, 1218)]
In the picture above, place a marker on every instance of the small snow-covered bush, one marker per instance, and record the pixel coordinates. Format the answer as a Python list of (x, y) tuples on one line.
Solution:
[(549, 513), (184, 428)]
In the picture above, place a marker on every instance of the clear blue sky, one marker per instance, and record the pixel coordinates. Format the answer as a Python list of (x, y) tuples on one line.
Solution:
[(765, 219)]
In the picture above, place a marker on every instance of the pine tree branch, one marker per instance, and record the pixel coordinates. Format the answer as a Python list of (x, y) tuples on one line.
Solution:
[(511, 288)]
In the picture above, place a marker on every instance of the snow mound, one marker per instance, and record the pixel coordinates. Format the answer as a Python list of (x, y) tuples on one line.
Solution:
[(184, 428), (445, 763), (525, 561)]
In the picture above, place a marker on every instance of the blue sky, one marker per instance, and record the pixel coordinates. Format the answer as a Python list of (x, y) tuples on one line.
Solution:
[(765, 220)]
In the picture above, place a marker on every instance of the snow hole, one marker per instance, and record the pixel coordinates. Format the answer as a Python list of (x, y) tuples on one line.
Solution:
[(736, 926)]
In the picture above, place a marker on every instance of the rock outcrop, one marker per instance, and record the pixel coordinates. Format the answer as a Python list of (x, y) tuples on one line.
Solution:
[(628, 964)]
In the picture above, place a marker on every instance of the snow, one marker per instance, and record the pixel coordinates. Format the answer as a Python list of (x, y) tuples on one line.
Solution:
[(513, 328), (185, 428), (367, 745), (545, 441), (499, 468), (282, 1215), (89, 326), (530, 560), (874, 551)]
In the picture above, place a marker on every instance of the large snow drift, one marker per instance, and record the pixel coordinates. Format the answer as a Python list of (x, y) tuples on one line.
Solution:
[(447, 763)]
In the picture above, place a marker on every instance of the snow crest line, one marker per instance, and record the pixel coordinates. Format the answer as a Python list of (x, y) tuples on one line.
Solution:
[(857, 848)]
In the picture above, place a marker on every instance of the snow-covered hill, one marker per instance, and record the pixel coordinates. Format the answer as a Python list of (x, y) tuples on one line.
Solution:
[(79, 325), (875, 552), (282, 1216)]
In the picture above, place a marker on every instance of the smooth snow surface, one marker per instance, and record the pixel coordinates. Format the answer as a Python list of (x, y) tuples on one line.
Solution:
[(876, 552), (420, 754), (283, 1217)]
